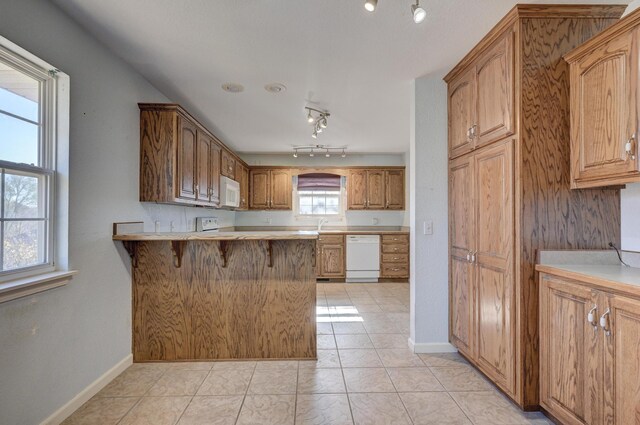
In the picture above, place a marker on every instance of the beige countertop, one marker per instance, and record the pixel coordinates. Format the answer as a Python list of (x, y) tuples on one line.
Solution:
[(352, 230), (271, 235)]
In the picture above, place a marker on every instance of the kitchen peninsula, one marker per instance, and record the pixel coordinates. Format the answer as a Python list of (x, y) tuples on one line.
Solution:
[(223, 295)]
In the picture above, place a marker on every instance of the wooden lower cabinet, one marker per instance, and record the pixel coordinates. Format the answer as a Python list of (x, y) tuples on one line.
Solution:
[(331, 257), (589, 363), (394, 256)]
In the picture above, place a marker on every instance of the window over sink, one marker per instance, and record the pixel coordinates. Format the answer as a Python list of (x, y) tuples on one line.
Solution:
[(320, 194)]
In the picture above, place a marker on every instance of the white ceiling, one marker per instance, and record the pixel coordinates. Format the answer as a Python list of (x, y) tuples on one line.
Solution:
[(329, 53)]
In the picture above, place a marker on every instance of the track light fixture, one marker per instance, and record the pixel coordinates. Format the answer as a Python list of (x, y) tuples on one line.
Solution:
[(370, 5), (319, 121), (312, 149), (418, 12)]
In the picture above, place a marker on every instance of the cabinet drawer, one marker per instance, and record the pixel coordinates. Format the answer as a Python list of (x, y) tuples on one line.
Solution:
[(395, 258), (395, 239), (331, 239), (395, 270), (395, 248)]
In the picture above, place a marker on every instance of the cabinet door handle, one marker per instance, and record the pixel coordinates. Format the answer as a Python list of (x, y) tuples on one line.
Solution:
[(629, 147), (604, 322), (591, 317), (469, 257), (473, 130), (473, 256)]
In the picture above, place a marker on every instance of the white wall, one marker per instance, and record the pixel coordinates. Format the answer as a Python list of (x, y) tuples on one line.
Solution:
[(630, 198), (352, 218), (54, 344), (428, 181)]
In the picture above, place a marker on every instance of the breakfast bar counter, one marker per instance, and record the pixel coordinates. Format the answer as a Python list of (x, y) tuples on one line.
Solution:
[(223, 295)]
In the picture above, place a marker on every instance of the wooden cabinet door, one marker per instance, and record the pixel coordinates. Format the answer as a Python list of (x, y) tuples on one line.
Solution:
[(332, 262), (461, 114), (495, 93), (214, 174), (186, 172), (357, 190), (242, 176), (461, 311), (604, 111), (494, 245), (260, 189), (375, 190), (570, 352), (228, 167), (280, 190), (394, 189), (203, 167), (622, 362)]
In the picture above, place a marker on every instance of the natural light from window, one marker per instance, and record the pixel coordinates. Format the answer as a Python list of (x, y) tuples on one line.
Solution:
[(25, 169)]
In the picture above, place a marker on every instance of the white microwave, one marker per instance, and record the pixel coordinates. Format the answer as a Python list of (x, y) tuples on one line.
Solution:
[(229, 192)]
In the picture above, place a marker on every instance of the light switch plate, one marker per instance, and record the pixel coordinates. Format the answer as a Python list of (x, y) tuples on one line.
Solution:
[(428, 227)]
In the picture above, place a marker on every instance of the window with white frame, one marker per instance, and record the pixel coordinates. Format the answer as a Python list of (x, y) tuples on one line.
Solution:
[(319, 194), (27, 165)]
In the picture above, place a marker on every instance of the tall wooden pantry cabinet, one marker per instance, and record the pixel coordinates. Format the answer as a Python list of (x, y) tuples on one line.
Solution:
[(509, 186)]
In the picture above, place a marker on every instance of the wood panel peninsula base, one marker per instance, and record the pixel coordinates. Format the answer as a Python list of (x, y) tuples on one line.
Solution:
[(229, 295)]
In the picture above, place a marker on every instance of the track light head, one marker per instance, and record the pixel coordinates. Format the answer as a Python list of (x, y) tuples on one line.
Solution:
[(309, 117), (311, 154), (314, 135), (344, 154), (370, 5), (323, 122), (419, 14), (328, 155), (295, 154)]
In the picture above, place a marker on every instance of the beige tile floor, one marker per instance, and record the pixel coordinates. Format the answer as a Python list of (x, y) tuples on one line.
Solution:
[(365, 375)]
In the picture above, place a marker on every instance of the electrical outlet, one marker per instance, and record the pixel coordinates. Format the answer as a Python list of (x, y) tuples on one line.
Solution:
[(427, 227)]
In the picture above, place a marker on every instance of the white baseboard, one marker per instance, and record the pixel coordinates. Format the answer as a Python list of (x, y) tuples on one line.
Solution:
[(431, 347), (92, 389)]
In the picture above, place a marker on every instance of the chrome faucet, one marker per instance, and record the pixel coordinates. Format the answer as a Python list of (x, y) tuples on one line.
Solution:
[(322, 221)]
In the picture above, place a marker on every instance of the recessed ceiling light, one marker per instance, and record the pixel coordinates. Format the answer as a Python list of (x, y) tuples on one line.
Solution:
[(233, 87), (275, 88), (370, 5)]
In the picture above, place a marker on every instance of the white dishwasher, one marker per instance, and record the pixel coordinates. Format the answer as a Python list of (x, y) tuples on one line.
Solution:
[(363, 258)]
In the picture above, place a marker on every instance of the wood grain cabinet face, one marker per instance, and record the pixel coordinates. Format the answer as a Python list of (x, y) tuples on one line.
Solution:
[(461, 276), (242, 177), (395, 191), (214, 174), (461, 114), (260, 189), (570, 363), (495, 92), (281, 190), (203, 167), (604, 112), (375, 190), (228, 165), (357, 190), (187, 136), (331, 256), (622, 362), (494, 263), (270, 189)]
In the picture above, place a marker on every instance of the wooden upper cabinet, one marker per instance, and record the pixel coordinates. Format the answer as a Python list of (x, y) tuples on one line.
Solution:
[(357, 190), (260, 189), (604, 111), (376, 189), (214, 174), (461, 114), (494, 75), (461, 213), (622, 361), (228, 165), (395, 189), (281, 189), (242, 177), (203, 166), (494, 249), (569, 352), (179, 158), (270, 189), (187, 136)]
